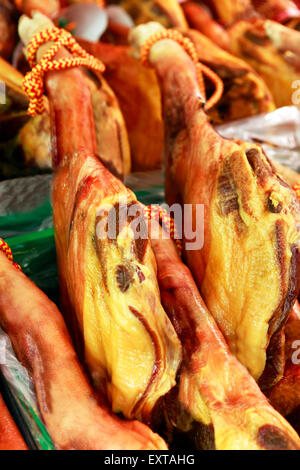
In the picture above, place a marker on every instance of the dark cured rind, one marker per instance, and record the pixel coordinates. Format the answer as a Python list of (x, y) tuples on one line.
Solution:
[(227, 190), (272, 438), (205, 435), (275, 361), (158, 356), (120, 211), (81, 193), (276, 350), (124, 278), (260, 168)]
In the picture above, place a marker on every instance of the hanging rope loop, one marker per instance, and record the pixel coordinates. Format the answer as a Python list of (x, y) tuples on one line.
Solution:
[(296, 188), (189, 47), (33, 83), (160, 214), (7, 251)]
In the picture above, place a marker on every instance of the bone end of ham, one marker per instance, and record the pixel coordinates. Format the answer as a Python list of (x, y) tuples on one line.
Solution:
[(139, 35), (28, 27)]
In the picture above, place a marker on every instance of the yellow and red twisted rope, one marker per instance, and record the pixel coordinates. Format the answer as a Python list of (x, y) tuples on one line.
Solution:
[(190, 49), (33, 83), (160, 214), (296, 188), (6, 249), (100, 3)]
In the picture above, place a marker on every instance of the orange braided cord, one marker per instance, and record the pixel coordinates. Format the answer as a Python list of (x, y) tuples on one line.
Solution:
[(296, 188), (190, 49), (164, 218), (33, 83), (6, 249)]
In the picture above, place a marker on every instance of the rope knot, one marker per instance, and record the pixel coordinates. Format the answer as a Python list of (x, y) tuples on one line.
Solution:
[(160, 214), (7, 251), (296, 188), (33, 83)]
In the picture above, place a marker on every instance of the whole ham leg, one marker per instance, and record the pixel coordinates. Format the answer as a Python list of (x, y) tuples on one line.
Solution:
[(108, 282), (74, 418), (277, 10), (201, 19), (168, 12), (138, 94), (247, 270), (229, 11), (245, 93), (272, 50), (218, 402)]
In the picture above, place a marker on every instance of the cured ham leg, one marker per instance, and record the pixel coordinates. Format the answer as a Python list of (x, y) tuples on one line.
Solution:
[(277, 10), (218, 402), (285, 396), (167, 12), (111, 134), (201, 19), (247, 270), (108, 283), (138, 93), (229, 11), (10, 437), (7, 29), (245, 93), (272, 50), (68, 405)]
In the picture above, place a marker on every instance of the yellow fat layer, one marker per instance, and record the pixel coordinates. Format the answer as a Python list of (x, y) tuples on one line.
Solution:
[(120, 352), (245, 274)]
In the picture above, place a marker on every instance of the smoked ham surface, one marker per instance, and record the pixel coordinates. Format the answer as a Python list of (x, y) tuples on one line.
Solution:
[(245, 93), (217, 401), (108, 286), (277, 10), (273, 51), (112, 145), (138, 93), (68, 405), (200, 18), (10, 437), (167, 12), (285, 395), (247, 270), (229, 11)]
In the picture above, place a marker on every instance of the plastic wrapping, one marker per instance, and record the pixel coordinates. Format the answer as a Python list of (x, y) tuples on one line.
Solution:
[(22, 391), (25, 205), (278, 132)]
